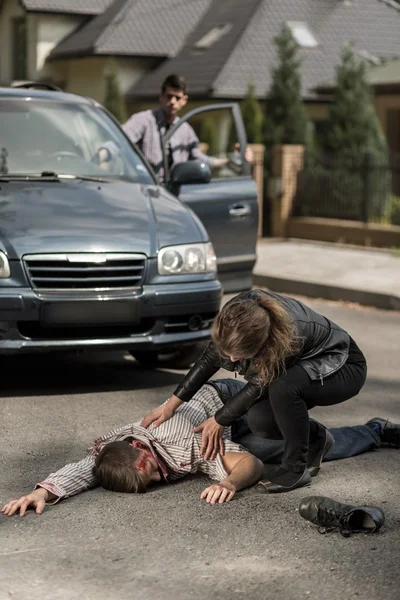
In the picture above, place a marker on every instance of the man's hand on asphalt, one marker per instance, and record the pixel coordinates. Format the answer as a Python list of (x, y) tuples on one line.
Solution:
[(37, 499), (211, 440), (218, 493)]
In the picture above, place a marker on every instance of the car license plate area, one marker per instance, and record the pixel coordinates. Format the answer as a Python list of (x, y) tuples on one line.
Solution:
[(84, 313)]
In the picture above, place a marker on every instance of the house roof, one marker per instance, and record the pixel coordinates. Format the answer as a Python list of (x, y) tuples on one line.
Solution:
[(135, 28), (225, 69), (84, 7)]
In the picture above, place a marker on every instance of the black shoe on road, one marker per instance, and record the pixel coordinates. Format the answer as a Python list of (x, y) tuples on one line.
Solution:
[(319, 449), (284, 482), (330, 514), (388, 432)]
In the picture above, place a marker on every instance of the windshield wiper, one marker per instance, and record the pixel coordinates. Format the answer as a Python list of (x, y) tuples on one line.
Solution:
[(80, 177), (49, 176)]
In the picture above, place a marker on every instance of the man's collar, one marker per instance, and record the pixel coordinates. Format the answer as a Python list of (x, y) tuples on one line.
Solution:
[(162, 119)]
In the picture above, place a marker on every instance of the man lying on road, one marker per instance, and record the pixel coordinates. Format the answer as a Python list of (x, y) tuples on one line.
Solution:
[(131, 458)]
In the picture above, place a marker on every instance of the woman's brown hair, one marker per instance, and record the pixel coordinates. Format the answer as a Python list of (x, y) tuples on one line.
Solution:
[(114, 468), (258, 328)]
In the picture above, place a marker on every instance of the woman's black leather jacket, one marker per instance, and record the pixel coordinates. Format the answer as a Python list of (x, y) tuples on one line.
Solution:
[(325, 348)]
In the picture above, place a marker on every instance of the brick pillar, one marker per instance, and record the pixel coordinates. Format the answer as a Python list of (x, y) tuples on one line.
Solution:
[(287, 161), (258, 175)]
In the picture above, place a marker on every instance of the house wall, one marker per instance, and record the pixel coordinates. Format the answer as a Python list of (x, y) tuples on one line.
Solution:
[(44, 31), (10, 9), (384, 104), (85, 76), (50, 30)]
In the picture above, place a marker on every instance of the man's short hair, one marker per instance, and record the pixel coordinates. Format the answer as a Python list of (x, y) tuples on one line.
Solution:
[(176, 82), (114, 468)]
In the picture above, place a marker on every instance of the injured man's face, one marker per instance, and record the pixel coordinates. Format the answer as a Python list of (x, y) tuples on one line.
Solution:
[(146, 464)]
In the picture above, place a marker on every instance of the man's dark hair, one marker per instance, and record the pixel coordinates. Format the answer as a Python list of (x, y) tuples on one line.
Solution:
[(176, 82), (114, 468)]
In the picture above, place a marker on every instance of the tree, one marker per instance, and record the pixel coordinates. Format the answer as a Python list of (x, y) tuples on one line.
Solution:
[(286, 119), (355, 141), (353, 127), (253, 117), (113, 100)]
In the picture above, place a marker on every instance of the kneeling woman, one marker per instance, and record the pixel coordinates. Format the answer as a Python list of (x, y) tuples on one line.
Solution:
[(293, 359)]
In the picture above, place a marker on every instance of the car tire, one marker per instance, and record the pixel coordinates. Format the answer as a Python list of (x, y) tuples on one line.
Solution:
[(182, 358)]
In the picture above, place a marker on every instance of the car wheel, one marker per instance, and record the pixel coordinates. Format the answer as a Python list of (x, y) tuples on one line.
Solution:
[(182, 358)]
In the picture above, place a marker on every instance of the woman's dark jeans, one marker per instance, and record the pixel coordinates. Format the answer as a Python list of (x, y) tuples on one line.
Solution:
[(282, 412)]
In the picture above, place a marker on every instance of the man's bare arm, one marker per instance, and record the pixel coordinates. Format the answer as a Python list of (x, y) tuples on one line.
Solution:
[(243, 470)]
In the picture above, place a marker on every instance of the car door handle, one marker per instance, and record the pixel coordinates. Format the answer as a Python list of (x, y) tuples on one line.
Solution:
[(240, 210)]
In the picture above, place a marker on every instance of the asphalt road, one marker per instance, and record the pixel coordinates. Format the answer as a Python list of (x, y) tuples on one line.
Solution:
[(166, 544)]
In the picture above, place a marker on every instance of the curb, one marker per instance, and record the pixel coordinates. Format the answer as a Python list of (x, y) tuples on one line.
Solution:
[(328, 292)]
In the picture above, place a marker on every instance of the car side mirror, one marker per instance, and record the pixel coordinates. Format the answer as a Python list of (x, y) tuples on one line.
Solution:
[(189, 173)]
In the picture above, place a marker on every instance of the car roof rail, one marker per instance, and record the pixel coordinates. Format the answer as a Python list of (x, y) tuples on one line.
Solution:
[(36, 85)]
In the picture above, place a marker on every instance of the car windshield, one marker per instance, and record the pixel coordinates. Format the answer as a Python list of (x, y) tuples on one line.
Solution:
[(69, 138)]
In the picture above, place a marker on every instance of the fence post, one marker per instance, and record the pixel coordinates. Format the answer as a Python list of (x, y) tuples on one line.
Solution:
[(366, 168), (258, 176), (286, 163)]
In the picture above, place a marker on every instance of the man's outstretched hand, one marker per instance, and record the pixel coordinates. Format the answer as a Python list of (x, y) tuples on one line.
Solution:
[(37, 499), (218, 493), (211, 440)]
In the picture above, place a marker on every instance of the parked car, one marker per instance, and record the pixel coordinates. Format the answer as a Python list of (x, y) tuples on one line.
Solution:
[(103, 256)]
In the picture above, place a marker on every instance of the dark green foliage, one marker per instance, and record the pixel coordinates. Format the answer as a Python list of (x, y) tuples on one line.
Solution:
[(349, 178), (253, 117), (353, 127), (286, 119), (209, 135), (114, 100)]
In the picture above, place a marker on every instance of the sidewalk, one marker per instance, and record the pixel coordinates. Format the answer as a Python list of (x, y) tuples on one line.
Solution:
[(333, 271)]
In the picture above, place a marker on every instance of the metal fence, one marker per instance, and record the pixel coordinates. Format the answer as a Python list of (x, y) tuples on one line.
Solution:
[(361, 188)]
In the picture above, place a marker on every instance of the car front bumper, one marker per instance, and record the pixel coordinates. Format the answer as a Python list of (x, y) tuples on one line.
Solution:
[(155, 317)]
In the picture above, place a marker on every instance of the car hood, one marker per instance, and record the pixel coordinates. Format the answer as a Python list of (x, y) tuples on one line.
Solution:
[(82, 216)]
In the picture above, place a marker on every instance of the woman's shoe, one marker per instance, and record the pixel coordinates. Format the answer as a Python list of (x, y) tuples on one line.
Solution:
[(318, 449), (270, 487)]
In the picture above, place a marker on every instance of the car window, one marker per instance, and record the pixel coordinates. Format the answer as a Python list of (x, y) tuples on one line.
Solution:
[(216, 131), (67, 138)]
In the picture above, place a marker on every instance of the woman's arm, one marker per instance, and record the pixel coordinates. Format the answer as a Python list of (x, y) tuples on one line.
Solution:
[(239, 404), (205, 367)]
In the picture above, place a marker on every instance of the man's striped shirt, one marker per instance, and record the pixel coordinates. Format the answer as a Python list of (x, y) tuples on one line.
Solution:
[(173, 441), (144, 129)]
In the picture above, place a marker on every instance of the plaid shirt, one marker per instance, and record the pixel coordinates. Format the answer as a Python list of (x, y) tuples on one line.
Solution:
[(173, 442), (144, 129)]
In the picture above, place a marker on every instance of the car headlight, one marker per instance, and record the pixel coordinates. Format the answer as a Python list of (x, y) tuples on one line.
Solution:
[(187, 259), (4, 266)]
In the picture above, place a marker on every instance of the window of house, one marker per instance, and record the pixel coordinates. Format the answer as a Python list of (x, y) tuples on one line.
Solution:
[(213, 36), (19, 48), (302, 34)]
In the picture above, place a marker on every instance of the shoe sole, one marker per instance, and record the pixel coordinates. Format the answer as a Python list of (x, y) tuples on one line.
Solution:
[(315, 467), (270, 488)]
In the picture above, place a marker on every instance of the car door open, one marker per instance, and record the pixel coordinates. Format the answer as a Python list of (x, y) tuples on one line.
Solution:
[(227, 205)]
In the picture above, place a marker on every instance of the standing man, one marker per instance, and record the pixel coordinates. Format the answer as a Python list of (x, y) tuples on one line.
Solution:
[(146, 128)]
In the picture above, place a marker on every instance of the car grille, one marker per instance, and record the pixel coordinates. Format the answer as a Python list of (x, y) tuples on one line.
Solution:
[(96, 271)]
